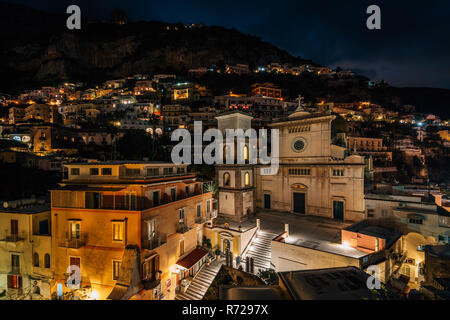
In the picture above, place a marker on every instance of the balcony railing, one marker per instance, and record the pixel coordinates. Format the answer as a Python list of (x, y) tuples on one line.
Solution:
[(200, 220), (74, 242), (13, 238), (183, 228), (211, 215), (15, 269), (154, 242)]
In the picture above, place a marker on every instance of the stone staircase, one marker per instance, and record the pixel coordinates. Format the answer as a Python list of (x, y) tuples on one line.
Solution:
[(260, 250), (201, 282)]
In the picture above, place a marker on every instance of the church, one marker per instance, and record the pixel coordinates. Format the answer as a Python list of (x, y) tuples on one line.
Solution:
[(315, 177)]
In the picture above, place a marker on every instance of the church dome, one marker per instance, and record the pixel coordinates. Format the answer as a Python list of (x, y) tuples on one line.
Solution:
[(299, 113)]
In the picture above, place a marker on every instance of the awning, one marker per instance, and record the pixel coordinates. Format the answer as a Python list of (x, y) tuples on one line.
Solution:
[(192, 258)]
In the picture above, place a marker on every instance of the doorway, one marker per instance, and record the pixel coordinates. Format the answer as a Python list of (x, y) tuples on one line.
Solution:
[(267, 201), (299, 203), (338, 210)]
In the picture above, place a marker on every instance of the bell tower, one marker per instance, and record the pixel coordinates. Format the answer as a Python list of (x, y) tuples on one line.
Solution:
[(235, 181)]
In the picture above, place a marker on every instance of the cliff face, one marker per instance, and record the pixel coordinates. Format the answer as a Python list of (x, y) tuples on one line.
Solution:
[(37, 47)]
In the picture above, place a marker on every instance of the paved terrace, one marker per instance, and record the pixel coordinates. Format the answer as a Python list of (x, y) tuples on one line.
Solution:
[(309, 231)]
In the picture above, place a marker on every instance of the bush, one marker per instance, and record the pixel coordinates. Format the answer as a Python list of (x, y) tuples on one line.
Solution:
[(270, 277)]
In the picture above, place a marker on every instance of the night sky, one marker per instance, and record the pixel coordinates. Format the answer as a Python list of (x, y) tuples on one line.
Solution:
[(411, 49)]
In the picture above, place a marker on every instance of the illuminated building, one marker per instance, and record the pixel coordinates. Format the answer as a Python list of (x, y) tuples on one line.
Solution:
[(266, 90), (115, 219), (315, 177), (26, 268)]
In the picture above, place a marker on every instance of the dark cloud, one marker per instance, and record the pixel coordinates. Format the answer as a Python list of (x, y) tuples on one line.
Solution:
[(411, 49)]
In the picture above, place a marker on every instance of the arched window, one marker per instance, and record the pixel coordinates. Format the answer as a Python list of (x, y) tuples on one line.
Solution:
[(36, 259), (246, 153), (47, 260), (226, 179), (247, 179)]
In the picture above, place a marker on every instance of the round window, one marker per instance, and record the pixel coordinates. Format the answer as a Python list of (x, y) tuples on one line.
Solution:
[(299, 144)]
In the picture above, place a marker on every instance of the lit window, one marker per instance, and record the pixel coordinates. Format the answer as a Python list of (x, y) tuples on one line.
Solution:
[(246, 153), (247, 179), (117, 231), (226, 179), (75, 230), (116, 269), (181, 215)]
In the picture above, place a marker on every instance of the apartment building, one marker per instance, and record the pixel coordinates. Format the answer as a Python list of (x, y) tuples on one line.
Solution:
[(26, 268), (115, 219)]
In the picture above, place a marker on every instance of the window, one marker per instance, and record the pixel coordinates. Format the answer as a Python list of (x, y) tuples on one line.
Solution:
[(75, 171), (226, 179), (106, 171), (181, 215), (199, 211), (156, 198), (150, 267), (75, 230), (151, 229), (14, 227), (338, 172), (131, 200), (181, 247), (116, 269), (36, 259), (181, 170), (300, 172), (94, 171), (117, 231), (173, 194), (168, 171), (47, 260), (14, 282), (208, 206), (152, 172), (246, 153), (415, 221), (247, 179), (132, 172), (186, 188), (15, 263)]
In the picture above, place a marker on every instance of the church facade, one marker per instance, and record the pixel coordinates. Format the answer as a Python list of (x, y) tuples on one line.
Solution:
[(315, 177)]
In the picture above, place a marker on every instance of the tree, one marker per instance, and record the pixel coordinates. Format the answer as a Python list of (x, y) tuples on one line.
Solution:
[(270, 277)]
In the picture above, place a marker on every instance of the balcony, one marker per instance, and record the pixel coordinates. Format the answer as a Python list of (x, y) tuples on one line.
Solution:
[(13, 238), (211, 215), (183, 227), (200, 220), (15, 269), (158, 240), (74, 243)]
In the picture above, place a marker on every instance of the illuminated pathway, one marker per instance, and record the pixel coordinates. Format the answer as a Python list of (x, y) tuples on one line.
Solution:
[(260, 250), (201, 282)]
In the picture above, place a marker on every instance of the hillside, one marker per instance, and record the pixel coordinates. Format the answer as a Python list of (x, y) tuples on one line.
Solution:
[(40, 48), (37, 49)]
